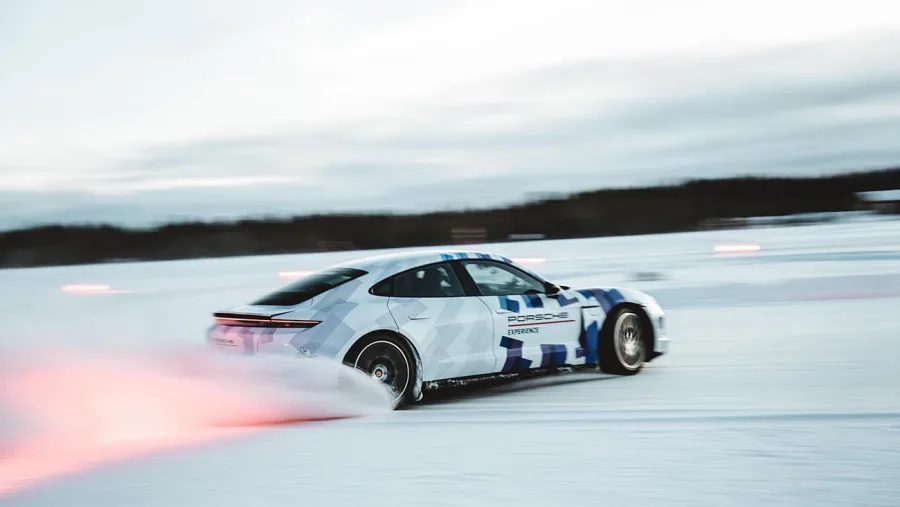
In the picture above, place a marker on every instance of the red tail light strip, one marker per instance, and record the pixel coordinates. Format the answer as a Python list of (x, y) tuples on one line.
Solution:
[(233, 320)]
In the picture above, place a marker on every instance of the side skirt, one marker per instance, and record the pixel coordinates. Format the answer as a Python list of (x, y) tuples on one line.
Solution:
[(491, 379)]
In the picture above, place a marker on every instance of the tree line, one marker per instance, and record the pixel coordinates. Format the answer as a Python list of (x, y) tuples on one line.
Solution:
[(685, 206)]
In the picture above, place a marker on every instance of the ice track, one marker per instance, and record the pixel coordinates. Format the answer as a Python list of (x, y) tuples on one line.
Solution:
[(782, 388)]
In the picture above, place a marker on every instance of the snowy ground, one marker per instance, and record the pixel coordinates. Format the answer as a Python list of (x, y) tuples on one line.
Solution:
[(782, 387)]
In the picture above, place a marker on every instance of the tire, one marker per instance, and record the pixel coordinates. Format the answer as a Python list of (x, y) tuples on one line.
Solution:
[(624, 342), (388, 360)]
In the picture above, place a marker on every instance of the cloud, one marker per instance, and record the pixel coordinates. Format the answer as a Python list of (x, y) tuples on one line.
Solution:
[(541, 123)]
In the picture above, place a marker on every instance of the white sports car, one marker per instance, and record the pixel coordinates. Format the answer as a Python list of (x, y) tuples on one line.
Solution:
[(417, 321)]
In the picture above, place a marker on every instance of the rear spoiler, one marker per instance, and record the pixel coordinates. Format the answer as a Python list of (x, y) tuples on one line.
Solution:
[(250, 320)]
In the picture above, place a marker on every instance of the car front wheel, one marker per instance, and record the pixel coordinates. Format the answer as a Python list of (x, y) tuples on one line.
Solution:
[(624, 343)]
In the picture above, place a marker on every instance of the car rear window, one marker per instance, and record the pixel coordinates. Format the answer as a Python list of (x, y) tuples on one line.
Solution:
[(309, 287)]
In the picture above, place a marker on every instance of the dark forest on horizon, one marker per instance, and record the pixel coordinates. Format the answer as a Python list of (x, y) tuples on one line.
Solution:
[(687, 206)]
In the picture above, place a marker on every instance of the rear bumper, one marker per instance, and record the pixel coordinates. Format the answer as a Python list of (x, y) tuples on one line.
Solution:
[(251, 340)]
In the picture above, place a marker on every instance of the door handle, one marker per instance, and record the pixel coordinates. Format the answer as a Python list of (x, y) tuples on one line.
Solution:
[(420, 317), (502, 310)]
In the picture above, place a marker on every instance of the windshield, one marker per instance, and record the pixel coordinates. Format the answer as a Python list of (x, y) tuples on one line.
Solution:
[(309, 287)]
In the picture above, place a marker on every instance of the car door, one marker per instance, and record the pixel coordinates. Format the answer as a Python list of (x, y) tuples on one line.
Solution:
[(452, 330), (531, 328)]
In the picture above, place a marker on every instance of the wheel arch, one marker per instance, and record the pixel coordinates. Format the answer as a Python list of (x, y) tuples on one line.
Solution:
[(372, 336)]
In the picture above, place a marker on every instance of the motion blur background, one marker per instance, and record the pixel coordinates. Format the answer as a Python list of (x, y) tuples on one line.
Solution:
[(737, 160)]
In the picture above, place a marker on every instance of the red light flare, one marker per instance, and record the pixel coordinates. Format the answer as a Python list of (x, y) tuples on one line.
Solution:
[(90, 413), (90, 288), (529, 260), (745, 248)]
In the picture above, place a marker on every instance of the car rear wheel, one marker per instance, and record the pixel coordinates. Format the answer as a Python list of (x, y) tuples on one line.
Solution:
[(624, 343), (388, 362)]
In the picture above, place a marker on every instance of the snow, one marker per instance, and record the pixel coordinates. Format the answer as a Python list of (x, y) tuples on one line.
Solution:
[(781, 388)]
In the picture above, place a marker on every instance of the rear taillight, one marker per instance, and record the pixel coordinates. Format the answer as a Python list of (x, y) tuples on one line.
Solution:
[(241, 320)]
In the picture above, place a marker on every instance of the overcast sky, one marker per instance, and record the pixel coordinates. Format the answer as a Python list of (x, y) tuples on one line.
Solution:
[(143, 111)]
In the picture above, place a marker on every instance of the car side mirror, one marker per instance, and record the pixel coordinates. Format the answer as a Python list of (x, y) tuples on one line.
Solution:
[(551, 289)]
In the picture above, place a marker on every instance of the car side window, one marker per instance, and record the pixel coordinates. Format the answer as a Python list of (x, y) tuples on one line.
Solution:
[(384, 289), (496, 279), (435, 281)]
